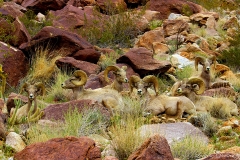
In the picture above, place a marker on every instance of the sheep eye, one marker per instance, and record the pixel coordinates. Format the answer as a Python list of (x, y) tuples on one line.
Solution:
[(179, 90)]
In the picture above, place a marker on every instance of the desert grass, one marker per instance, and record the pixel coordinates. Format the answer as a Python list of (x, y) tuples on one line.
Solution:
[(185, 72), (76, 124), (191, 148)]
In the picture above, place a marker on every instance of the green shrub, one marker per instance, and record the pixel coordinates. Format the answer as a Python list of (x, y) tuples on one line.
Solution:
[(190, 148), (115, 30), (32, 25), (6, 32), (185, 72), (155, 23), (186, 10)]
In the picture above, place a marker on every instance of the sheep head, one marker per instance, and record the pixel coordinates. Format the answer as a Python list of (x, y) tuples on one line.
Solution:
[(206, 63), (78, 79), (120, 73), (142, 84), (33, 90), (186, 87)]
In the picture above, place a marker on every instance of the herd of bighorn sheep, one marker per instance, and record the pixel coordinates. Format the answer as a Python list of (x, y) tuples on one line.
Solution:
[(185, 95)]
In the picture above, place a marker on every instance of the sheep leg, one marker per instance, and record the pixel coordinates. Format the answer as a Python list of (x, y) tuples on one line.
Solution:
[(178, 110)]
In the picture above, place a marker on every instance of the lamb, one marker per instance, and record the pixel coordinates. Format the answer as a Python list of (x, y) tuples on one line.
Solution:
[(17, 115), (120, 77), (110, 98), (193, 88), (157, 104)]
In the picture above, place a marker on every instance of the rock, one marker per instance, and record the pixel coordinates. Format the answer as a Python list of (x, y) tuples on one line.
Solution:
[(171, 27), (142, 62), (61, 41), (201, 18), (230, 23), (89, 55), (156, 147), (110, 158), (61, 148), (167, 7), (3, 129), (148, 38), (71, 63), (14, 62), (211, 26), (56, 112), (223, 156), (173, 131), (71, 17), (12, 9), (15, 141), (112, 6), (43, 6), (82, 3)]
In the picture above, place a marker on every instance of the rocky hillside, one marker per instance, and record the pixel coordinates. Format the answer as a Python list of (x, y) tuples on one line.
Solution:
[(43, 43)]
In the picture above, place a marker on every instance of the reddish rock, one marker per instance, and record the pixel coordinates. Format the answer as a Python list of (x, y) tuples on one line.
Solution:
[(142, 62), (222, 92), (108, 7), (61, 41), (155, 147), (69, 148), (165, 7), (81, 3), (70, 62), (172, 27), (223, 156), (70, 17), (43, 6), (89, 55), (14, 62), (57, 112), (3, 129), (12, 9)]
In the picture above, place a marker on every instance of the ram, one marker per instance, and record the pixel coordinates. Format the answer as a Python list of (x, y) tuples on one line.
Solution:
[(193, 88), (120, 77), (17, 115), (110, 98), (157, 104)]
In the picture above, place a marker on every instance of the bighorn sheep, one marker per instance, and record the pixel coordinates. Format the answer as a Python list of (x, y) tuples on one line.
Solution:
[(206, 73), (120, 77), (17, 115), (193, 88), (157, 104), (110, 98)]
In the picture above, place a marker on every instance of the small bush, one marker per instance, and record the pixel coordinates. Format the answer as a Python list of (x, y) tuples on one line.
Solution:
[(32, 25), (155, 23), (185, 72), (220, 111), (186, 10), (190, 148)]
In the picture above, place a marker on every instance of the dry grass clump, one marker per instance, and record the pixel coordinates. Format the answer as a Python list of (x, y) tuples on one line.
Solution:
[(76, 124), (191, 148), (220, 111), (42, 66)]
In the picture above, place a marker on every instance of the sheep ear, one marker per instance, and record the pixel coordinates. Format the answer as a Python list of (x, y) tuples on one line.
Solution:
[(24, 87), (40, 88)]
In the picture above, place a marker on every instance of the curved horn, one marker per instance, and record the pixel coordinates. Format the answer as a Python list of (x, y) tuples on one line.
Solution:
[(199, 82), (81, 76), (197, 60), (214, 61), (154, 80), (174, 88), (133, 79), (108, 69), (25, 85), (40, 86)]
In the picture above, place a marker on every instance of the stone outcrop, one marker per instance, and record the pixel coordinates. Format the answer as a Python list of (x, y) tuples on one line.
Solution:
[(61, 148), (156, 147), (142, 62)]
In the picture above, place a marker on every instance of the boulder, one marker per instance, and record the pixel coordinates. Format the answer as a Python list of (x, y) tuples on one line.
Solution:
[(15, 141), (142, 62), (148, 38), (173, 131), (70, 17), (43, 6), (172, 27), (14, 63), (71, 63), (61, 41), (223, 156), (12, 9), (167, 7), (56, 112), (201, 18), (68, 148), (89, 55), (82, 3), (112, 6), (3, 129), (155, 147)]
